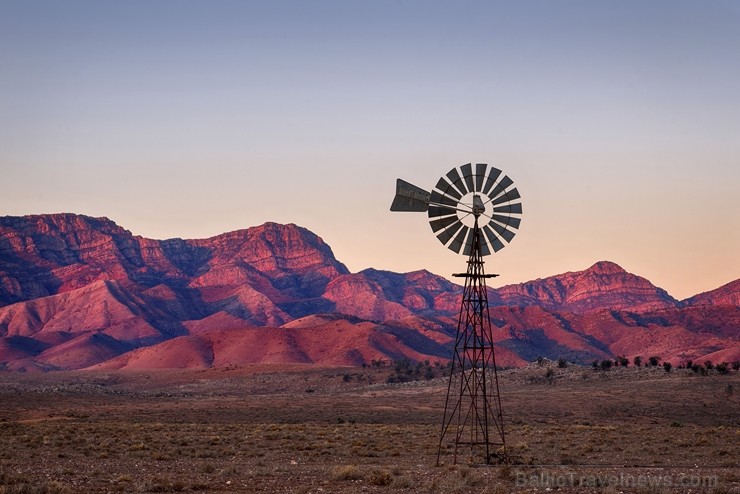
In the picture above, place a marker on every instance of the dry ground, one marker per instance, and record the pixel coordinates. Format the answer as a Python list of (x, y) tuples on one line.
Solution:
[(298, 429)]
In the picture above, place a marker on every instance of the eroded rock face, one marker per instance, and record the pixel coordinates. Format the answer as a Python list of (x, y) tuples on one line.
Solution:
[(48, 254)]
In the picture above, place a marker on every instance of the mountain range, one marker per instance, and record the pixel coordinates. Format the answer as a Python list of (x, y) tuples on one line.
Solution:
[(78, 292)]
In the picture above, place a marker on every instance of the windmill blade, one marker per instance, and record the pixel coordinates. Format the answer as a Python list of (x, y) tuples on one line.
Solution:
[(492, 177), (480, 175), (502, 231), (467, 171), (509, 196), (457, 181), (484, 250), (507, 220), (509, 208), (457, 243), (441, 211), (496, 242), (449, 232), (500, 187), (447, 189), (439, 198), (444, 222), (409, 197)]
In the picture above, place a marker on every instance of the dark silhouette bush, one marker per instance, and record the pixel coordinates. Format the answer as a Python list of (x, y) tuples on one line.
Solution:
[(709, 365), (722, 368), (637, 361), (667, 366), (562, 363), (606, 364), (549, 375)]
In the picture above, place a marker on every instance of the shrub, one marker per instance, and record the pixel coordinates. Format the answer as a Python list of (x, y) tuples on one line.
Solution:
[(405, 371), (606, 364), (380, 477), (667, 366), (654, 361), (346, 472), (637, 361), (736, 365), (709, 365), (562, 363), (722, 368)]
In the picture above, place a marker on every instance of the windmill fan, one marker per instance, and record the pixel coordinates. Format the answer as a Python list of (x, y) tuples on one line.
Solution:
[(466, 201)]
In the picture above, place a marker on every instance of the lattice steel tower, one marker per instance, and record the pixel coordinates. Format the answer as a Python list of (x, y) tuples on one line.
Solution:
[(462, 200)]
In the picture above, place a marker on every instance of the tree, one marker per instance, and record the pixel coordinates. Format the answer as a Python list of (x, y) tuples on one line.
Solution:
[(606, 364), (562, 363), (654, 361), (667, 366), (637, 361)]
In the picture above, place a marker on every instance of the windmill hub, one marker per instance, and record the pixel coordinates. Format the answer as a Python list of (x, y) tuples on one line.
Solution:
[(478, 207)]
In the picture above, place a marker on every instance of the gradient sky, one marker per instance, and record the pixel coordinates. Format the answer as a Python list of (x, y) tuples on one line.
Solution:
[(618, 120)]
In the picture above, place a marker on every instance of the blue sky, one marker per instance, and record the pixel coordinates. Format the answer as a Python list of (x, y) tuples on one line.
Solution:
[(618, 120)]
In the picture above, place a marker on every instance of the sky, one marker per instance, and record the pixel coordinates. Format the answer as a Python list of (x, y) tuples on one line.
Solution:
[(619, 122)]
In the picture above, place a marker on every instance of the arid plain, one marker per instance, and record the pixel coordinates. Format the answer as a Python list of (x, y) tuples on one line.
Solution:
[(303, 429)]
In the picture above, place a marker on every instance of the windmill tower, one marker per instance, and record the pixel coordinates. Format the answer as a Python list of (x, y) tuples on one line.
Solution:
[(472, 212)]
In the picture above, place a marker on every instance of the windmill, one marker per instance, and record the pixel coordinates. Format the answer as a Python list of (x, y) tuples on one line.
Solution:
[(473, 212)]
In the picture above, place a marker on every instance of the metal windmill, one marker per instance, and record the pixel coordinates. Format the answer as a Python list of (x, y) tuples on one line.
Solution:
[(472, 212)]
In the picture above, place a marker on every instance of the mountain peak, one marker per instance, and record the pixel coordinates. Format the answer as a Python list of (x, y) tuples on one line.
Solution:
[(605, 267)]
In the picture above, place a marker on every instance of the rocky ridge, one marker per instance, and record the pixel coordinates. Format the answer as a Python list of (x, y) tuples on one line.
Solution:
[(77, 291)]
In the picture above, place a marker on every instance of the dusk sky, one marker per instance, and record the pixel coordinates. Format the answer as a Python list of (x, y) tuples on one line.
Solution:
[(619, 121)]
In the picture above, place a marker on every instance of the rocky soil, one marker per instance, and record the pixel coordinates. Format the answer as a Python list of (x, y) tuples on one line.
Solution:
[(302, 429)]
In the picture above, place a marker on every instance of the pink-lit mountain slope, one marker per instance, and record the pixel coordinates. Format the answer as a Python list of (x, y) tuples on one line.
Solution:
[(79, 292), (726, 295)]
